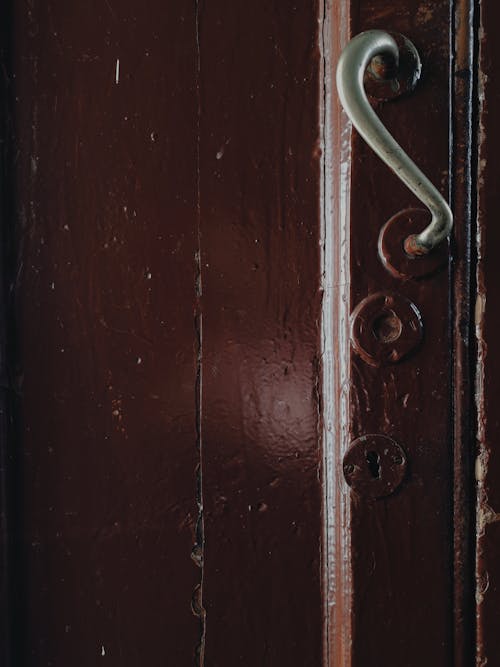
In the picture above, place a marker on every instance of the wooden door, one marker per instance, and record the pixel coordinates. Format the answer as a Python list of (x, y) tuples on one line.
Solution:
[(161, 231), (190, 229), (400, 564)]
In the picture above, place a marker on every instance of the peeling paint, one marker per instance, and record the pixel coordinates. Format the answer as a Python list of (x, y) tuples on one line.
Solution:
[(487, 326)]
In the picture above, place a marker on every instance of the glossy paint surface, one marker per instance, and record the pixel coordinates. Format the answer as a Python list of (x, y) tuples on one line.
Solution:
[(260, 274), (164, 314), (400, 545), (180, 189), (399, 582), (104, 362)]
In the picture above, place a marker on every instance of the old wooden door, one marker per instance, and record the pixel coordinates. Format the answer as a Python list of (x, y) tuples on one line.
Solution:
[(161, 233), (190, 236)]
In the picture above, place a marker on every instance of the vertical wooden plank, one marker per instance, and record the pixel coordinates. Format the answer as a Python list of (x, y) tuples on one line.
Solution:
[(401, 545), (464, 114), (336, 136), (104, 367), (388, 614), (487, 327), (5, 449), (260, 211)]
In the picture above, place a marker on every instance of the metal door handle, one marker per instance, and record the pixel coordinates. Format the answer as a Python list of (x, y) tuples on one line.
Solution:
[(352, 64)]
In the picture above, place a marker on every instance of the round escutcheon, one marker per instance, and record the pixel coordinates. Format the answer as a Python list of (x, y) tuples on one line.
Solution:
[(374, 466), (385, 80), (391, 246), (385, 328)]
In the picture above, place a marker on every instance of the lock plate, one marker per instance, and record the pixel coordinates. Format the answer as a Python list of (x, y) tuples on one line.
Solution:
[(375, 466)]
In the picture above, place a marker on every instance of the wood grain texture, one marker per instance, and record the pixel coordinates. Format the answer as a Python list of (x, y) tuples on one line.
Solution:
[(164, 333), (463, 181), (401, 553), (103, 359), (487, 323), (260, 211)]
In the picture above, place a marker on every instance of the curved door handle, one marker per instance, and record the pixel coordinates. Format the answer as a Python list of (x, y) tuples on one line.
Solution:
[(350, 72)]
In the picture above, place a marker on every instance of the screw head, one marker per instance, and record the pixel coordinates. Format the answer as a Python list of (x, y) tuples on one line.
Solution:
[(385, 328), (386, 80)]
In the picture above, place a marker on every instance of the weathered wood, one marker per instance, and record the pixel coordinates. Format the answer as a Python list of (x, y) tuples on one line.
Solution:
[(165, 317), (260, 276), (103, 360), (400, 579), (487, 326)]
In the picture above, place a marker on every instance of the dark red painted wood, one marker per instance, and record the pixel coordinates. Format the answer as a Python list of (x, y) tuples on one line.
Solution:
[(402, 558), (407, 593), (487, 323), (162, 209), (463, 163), (260, 274), (5, 450), (104, 109), (164, 332), (335, 347)]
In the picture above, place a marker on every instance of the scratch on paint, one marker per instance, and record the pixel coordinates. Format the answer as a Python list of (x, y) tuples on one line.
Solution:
[(199, 546), (117, 71), (485, 514)]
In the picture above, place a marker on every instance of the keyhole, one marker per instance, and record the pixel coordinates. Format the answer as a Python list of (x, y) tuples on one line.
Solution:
[(373, 460)]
